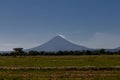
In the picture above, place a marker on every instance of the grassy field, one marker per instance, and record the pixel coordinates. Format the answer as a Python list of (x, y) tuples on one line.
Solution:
[(59, 75), (58, 62)]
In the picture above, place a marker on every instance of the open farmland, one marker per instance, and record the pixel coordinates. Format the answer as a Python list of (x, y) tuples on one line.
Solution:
[(99, 67)]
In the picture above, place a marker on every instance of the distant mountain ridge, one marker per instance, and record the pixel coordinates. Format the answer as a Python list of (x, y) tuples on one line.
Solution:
[(114, 50), (59, 43)]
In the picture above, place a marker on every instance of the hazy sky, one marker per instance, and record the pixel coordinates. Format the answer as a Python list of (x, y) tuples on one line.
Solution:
[(29, 23)]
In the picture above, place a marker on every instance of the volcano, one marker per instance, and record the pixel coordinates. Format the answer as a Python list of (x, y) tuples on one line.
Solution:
[(59, 43)]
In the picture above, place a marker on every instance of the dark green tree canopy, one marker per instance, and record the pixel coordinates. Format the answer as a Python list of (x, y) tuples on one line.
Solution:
[(18, 50)]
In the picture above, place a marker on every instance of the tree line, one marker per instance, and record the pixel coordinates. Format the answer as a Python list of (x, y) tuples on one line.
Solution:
[(20, 52)]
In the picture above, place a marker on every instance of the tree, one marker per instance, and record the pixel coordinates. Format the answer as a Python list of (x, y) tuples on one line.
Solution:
[(17, 51)]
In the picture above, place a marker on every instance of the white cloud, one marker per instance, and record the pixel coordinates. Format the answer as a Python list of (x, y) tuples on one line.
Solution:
[(103, 40), (61, 35)]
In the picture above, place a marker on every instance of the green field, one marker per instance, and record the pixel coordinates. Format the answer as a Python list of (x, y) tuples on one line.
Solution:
[(19, 68), (58, 61)]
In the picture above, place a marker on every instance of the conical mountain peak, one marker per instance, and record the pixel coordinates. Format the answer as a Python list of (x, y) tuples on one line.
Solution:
[(59, 43), (60, 36)]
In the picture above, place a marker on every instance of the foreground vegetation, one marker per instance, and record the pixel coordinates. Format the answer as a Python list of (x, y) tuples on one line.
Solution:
[(58, 75), (92, 67)]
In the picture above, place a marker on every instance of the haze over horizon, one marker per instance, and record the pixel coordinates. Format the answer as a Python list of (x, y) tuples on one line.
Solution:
[(29, 23)]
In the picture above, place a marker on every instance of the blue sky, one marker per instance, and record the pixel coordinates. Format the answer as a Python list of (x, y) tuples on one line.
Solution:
[(29, 23)]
